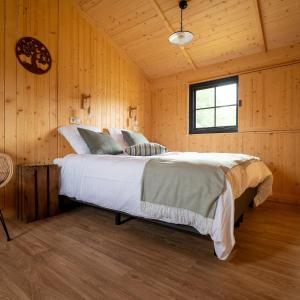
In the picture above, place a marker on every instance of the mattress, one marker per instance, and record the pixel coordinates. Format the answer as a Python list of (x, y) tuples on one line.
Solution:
[(115, 181)]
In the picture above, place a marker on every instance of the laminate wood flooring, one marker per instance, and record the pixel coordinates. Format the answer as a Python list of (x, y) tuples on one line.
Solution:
[(81, 254)]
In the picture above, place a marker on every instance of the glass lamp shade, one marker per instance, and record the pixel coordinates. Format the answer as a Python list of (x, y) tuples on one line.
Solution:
[(181, 37)]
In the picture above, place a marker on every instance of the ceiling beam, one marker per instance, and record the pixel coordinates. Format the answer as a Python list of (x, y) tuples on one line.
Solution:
[(169, 27), (259, 21)]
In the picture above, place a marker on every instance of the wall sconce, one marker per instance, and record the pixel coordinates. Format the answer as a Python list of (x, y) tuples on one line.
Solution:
[(86, 103), (134, 116), (131, 110)]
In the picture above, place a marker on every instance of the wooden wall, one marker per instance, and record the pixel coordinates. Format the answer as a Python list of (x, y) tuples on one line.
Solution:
[(269, 122), (85, 60)]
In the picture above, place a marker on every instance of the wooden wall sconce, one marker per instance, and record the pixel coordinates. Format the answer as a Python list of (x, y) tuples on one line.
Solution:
[(86, 103), (131, 110), (133, 115)]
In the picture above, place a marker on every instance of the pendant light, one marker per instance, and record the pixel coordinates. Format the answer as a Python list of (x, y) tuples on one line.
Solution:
[(181, 37)]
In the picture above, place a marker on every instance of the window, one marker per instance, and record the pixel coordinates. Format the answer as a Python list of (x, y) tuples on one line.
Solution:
[(214, 106)]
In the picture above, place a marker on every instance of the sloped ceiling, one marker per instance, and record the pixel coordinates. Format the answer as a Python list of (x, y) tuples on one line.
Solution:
[(224, 30)]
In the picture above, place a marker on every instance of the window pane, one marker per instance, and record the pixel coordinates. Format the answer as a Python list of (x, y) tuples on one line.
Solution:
[(226, 94), (205, 118), (205, 98), (226, 116)]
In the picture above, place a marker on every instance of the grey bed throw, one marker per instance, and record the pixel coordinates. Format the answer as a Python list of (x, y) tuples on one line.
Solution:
[(178, 186)]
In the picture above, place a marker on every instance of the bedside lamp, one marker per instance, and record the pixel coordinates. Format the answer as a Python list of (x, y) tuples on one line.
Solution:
[(133, 115), (86, 104)]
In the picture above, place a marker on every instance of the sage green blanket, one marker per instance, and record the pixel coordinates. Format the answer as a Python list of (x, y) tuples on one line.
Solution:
[(177, 185)]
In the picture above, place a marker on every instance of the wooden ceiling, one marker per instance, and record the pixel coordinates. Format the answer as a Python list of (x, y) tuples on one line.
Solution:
[(223, 29)]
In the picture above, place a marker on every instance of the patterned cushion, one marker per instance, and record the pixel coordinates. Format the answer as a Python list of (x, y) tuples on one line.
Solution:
[(146, 149)]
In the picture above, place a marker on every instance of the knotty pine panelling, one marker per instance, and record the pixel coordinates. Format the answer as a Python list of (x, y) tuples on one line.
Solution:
[(269, 123), (84, 61), (91, 64), (223, 30)]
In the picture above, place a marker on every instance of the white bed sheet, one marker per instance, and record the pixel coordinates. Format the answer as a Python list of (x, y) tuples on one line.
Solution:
[(114, 182)]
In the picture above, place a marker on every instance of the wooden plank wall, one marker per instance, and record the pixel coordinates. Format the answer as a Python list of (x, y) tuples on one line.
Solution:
[(85, 60), (269, 123), (2, 90), (91, 64)]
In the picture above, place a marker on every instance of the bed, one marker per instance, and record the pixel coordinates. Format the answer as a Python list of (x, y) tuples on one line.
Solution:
[(116, 182)]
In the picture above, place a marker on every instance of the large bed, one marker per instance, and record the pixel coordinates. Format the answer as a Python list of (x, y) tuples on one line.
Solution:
[(116, 182)]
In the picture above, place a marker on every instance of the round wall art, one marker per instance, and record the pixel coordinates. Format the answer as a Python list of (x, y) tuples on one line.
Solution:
[(33, 55)]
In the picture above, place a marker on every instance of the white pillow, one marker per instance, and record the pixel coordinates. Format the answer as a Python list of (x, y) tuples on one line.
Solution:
[(116, 134), (74, 138)]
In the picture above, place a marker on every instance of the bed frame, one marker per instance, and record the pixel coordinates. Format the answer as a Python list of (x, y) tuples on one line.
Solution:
[(241, 205)]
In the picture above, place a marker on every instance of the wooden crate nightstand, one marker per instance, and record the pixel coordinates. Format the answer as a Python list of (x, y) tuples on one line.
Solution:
[(37, 192)]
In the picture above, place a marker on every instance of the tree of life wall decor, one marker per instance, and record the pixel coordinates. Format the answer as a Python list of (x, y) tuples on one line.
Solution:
[(33, 55)]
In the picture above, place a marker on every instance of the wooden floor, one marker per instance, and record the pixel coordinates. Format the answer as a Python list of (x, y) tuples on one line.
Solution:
[(83, 255)]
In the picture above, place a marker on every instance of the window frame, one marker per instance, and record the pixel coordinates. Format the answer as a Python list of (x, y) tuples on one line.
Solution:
[(192, 105)]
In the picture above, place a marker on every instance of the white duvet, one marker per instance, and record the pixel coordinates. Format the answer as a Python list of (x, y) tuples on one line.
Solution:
[(114, 182)]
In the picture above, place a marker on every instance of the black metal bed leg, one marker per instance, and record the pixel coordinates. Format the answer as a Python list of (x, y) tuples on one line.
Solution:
[(242, 218), (4, 226), (239, 221), (119, 221)]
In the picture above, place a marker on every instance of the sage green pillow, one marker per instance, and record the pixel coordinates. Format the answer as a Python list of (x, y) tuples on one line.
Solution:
[(100, 143), (133, 138)]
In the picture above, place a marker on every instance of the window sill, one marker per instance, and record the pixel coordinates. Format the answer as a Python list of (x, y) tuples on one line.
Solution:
[(213, 130)]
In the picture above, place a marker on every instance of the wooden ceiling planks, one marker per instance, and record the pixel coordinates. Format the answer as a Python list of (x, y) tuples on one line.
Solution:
[(223, 29), (281, 21)]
